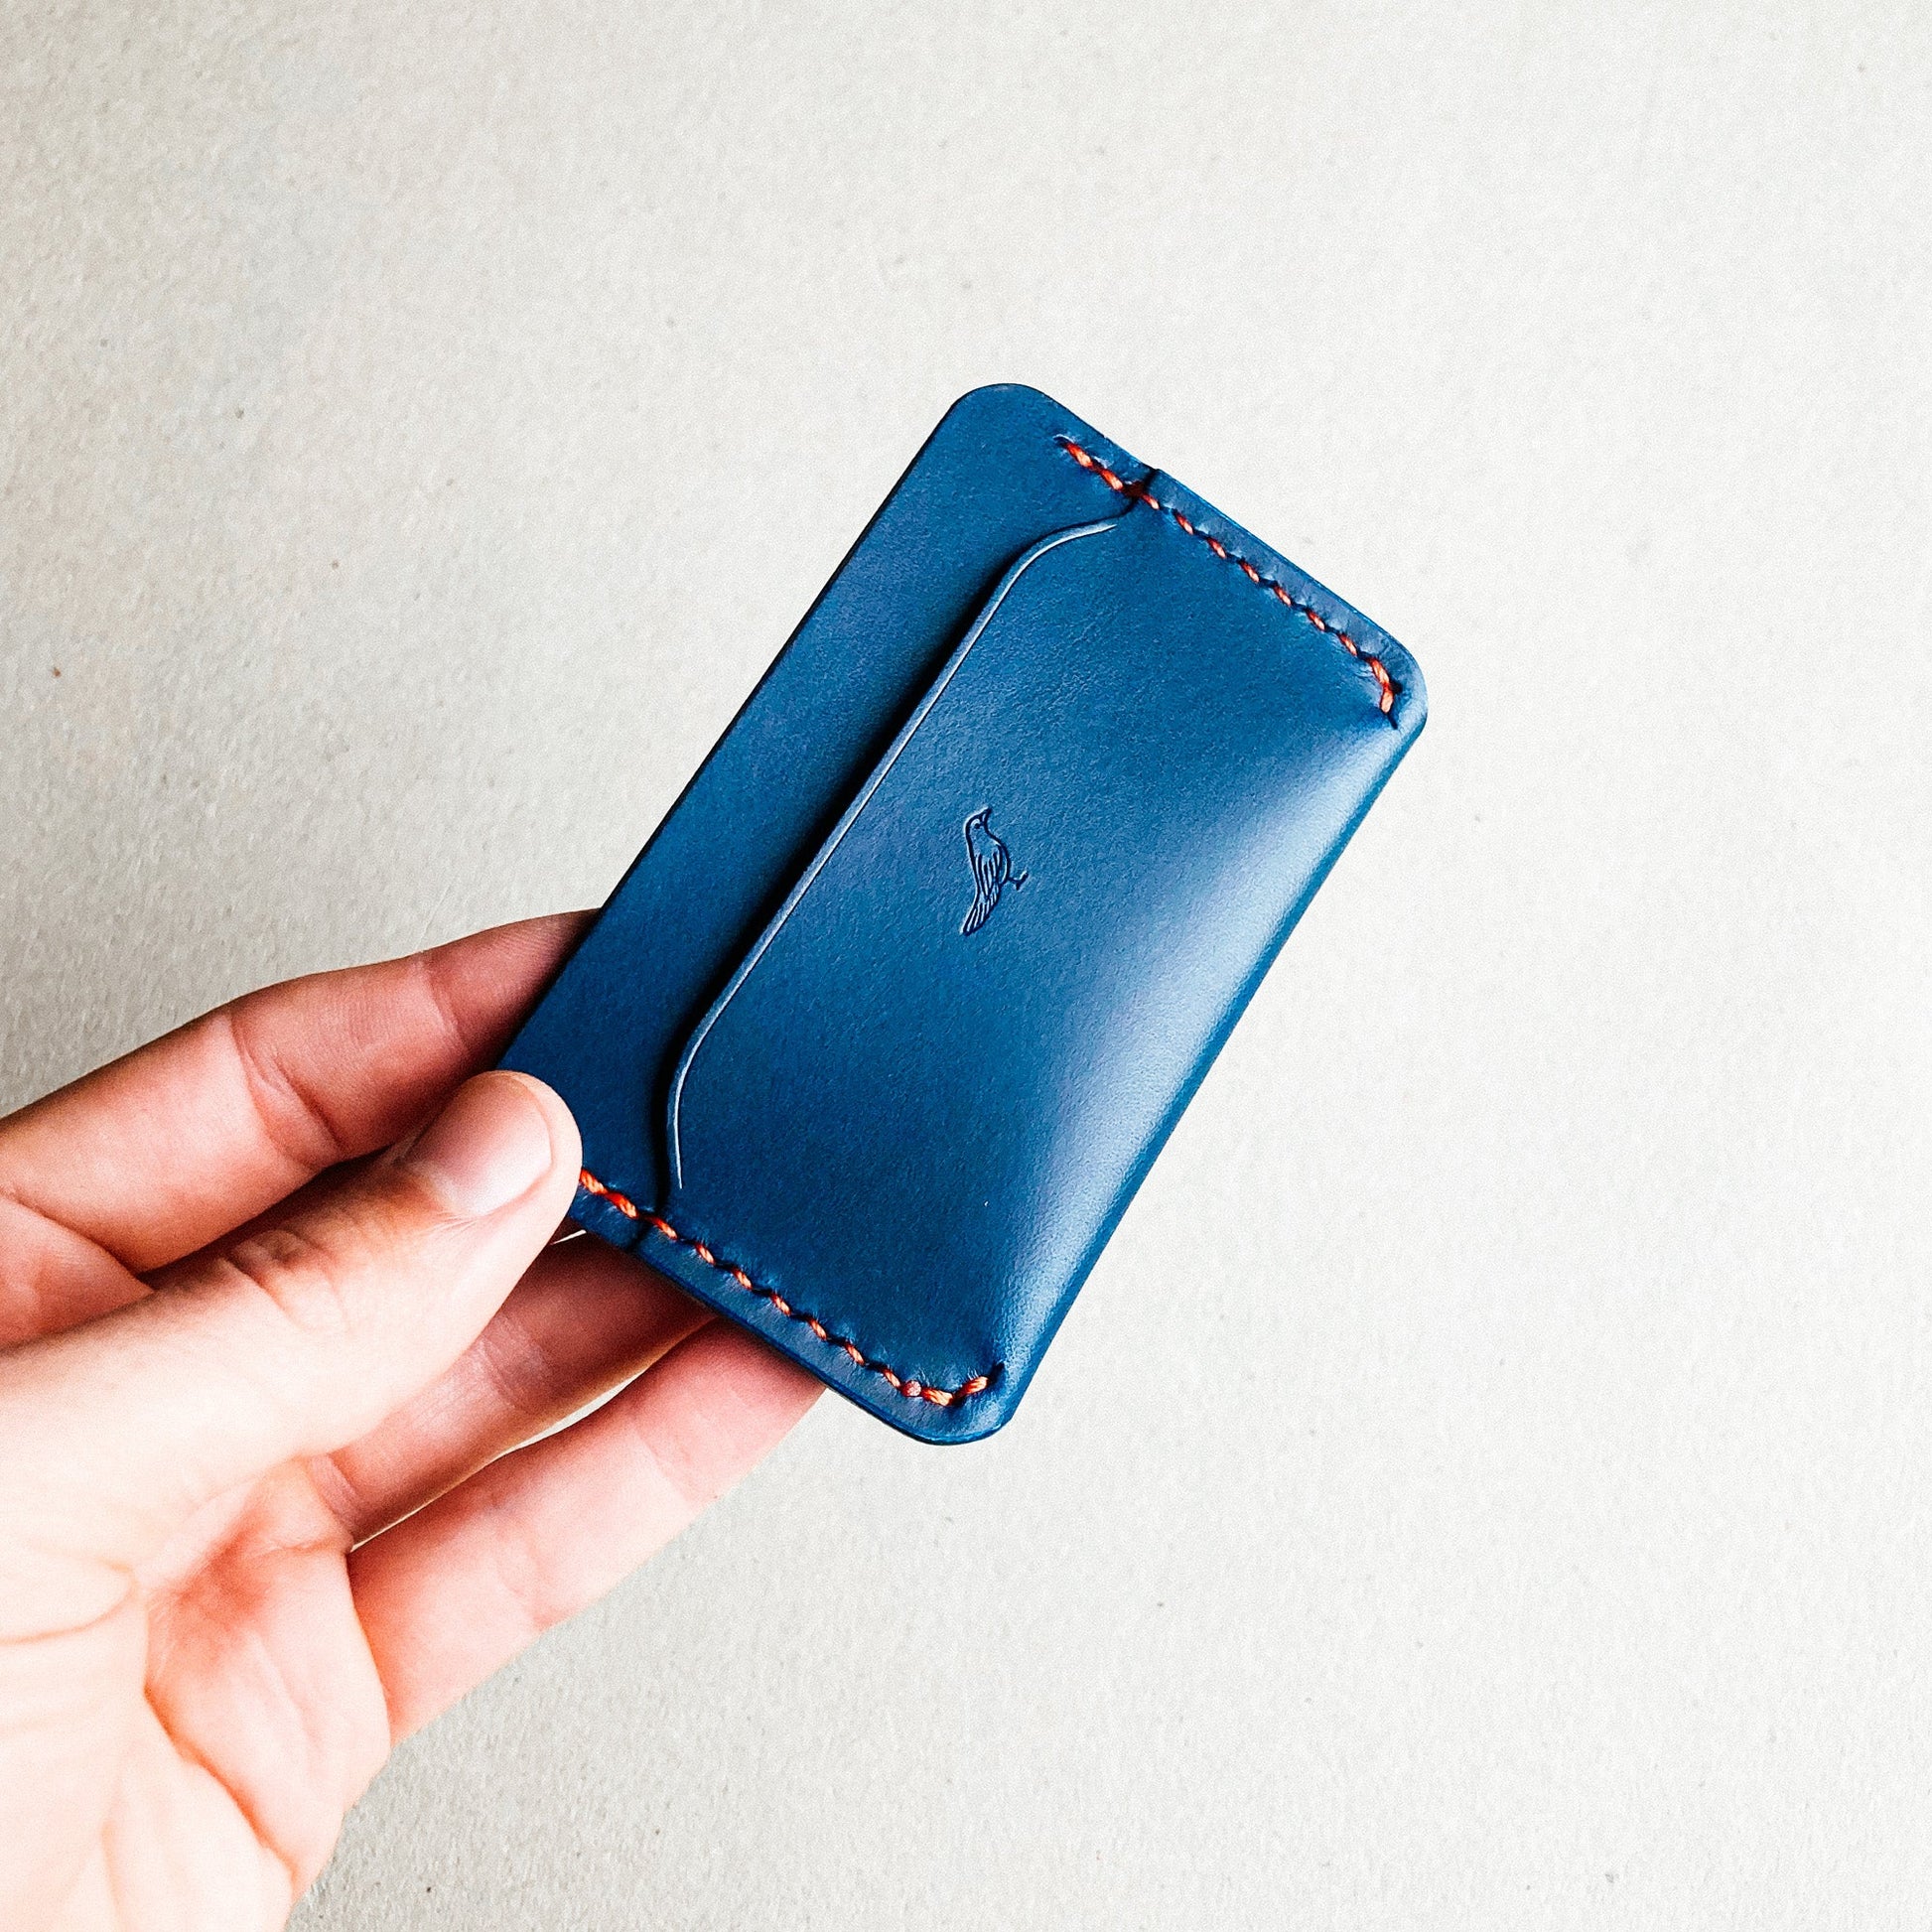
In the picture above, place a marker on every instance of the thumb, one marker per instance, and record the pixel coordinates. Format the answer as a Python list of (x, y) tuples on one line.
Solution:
[(290, 1341)]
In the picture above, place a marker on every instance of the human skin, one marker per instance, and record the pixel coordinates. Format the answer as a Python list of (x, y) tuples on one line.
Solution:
[(282, 1305)]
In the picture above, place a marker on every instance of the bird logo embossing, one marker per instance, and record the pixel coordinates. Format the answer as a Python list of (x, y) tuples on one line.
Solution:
[(992, 866)]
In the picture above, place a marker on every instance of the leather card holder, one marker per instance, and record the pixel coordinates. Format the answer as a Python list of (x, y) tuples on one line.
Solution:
[(876, 1038)]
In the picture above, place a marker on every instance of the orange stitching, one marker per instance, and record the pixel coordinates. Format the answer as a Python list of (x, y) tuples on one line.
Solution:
[(908, 1386), (1140, 493)]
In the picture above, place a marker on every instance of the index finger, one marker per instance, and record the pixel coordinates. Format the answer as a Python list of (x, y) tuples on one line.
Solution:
[(157, 1153)]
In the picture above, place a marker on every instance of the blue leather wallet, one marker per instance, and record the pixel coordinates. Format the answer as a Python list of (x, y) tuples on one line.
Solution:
[(873, 1043)]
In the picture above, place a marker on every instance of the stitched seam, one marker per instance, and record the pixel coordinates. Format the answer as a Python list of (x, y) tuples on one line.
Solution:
[(1140, 493), (908, 1386)]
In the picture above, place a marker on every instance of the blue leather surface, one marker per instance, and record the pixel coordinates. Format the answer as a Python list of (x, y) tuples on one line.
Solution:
[(876, 1041)]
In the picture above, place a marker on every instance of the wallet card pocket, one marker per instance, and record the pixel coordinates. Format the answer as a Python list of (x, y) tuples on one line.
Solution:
[(935, 1079)]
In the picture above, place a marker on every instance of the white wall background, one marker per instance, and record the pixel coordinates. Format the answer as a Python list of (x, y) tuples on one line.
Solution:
[(419, 425)]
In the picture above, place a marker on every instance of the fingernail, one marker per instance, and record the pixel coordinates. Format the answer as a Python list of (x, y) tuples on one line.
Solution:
[(489, 1144)]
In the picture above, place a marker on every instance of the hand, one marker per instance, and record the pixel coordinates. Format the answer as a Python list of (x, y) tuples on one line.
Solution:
[(257, 1386)]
